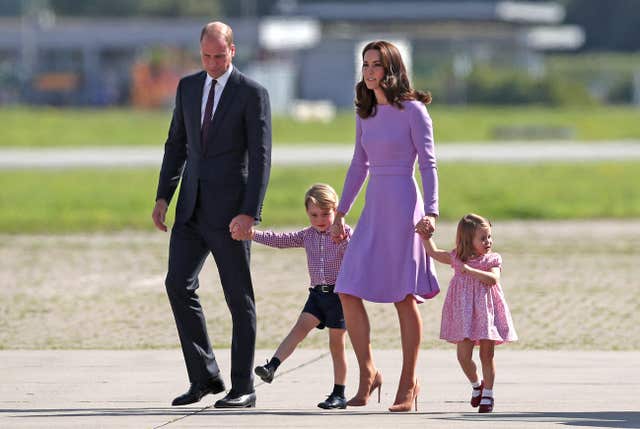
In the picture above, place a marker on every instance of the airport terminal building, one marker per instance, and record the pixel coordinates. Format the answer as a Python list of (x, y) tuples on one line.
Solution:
[(306, 52)]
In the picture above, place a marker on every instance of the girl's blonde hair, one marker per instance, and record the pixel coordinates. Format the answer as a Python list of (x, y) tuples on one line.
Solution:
[(464, 236), (322, 195)]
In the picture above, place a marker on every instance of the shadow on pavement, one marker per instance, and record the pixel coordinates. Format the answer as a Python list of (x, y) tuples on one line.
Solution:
[(172, 411), (87, 412), (601, 419)]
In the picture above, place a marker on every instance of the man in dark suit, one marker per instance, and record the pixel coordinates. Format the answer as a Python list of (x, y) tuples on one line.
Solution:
[(219, 143)]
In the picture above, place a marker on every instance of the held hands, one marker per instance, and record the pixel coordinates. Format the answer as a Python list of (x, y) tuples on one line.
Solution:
[(159, 214), (426, 227), (247, 236), (337, 230), (241, 227)]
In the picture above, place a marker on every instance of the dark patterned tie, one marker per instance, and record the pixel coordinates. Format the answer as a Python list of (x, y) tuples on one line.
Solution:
[(208, 112)]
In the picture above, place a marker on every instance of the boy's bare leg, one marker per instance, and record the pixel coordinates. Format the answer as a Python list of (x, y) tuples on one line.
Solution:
[(305, 323), (337, 339)]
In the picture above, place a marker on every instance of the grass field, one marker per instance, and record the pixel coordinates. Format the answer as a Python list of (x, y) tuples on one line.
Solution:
[(43, 127), (58, 201)]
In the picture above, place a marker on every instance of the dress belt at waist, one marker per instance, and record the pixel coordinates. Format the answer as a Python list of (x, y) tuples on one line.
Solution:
[(390, 170)]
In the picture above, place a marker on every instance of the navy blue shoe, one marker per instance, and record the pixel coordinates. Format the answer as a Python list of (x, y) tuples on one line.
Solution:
[(333, 401), (265, 373)]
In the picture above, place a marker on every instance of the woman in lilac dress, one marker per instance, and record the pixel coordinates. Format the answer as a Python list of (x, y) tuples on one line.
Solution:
[(385, 261)]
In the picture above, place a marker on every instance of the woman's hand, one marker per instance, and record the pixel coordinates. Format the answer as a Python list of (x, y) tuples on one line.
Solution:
[(337, 230), (432, 220), (426, 227)]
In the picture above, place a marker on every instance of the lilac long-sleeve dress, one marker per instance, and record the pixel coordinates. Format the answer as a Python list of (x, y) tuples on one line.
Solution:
[(385, 260)]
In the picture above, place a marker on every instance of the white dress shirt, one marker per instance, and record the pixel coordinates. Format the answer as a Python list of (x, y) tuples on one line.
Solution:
[(221, 83)]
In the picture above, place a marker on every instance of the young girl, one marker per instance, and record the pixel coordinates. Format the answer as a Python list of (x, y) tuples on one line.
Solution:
[(475, 310), (323, 306)]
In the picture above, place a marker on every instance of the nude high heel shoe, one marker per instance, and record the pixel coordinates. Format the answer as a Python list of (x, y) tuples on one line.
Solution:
[(405, 400), (361, 400)]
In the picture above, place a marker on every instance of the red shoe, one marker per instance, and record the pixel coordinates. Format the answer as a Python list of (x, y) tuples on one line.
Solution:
[(475, 400), (486, 408)]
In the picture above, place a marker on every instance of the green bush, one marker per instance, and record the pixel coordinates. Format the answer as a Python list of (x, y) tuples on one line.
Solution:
[(563, 92), (487, 85), (621, 92)]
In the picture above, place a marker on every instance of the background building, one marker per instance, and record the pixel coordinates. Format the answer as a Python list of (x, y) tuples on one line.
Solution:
[(307, 51)]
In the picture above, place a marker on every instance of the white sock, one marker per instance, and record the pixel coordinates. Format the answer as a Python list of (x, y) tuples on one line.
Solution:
[(486, 393), (475, 392)]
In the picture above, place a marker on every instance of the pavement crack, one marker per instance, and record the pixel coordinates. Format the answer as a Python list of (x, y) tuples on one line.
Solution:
[(295, 368)]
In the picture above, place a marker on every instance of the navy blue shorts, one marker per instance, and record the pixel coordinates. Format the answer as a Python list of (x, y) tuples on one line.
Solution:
[(326, 307)]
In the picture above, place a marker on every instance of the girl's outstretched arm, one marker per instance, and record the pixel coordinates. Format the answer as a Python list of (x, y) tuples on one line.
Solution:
[(425, 230), (489, 278), (432, 250)]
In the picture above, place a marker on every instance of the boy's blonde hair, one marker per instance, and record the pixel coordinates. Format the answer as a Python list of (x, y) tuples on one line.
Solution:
[(464, 236), (322, 195)]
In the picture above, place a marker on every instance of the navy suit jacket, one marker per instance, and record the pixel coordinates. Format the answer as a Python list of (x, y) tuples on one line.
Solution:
[(231, 169)]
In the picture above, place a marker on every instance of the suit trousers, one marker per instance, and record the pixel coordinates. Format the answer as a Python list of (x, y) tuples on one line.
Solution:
[(190, 244)]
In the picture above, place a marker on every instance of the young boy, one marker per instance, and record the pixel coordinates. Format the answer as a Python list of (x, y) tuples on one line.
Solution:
[(323, 306)]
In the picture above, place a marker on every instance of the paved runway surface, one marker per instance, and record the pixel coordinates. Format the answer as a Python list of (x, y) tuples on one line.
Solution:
[(329, 154), (133, 389)]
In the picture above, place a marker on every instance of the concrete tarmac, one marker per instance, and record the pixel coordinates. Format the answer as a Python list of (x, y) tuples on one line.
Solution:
[(134, 388)]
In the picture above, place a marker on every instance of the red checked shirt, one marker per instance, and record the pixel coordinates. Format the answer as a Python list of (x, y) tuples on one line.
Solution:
[(323, 255)]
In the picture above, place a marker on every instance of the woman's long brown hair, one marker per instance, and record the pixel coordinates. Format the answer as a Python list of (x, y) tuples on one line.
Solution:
[(395, 83)]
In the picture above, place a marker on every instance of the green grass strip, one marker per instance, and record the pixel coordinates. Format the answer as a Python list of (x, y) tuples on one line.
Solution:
[(48, 127), (56, 201)]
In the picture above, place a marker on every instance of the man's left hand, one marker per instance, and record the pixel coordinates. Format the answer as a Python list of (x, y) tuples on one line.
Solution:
[(240, 226)]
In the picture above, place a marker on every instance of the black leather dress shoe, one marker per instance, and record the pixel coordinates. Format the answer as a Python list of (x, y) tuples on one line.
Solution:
[(333, 401), (265, 372), (235, 400), (198, 390)]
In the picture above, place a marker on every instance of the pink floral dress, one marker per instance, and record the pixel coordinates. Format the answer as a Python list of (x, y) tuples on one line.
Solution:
[(473, 309)]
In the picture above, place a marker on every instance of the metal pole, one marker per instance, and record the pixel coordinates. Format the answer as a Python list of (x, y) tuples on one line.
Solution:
[(636, 88)]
